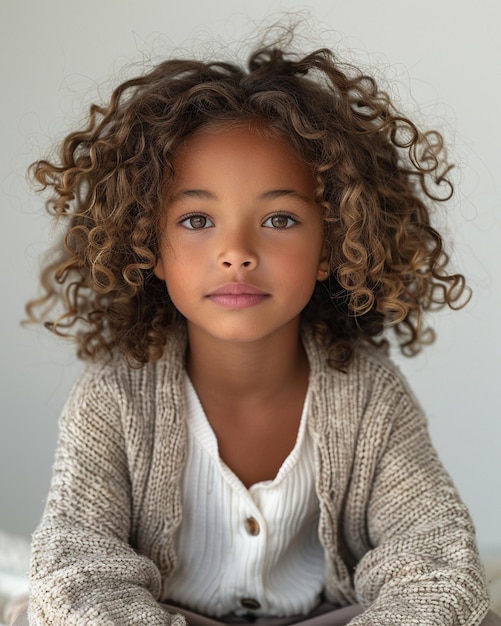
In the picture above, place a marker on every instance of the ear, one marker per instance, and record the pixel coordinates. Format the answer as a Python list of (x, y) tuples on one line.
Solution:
[(323, 264), (322, 273), (159, 269)]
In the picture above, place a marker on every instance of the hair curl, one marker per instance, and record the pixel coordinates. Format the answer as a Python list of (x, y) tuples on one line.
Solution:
[(378, 177)]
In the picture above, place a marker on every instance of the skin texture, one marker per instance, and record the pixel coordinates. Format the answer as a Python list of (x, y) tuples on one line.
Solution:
[(241, 250)]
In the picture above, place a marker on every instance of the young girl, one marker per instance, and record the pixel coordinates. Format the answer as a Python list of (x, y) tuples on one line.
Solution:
[(238, 245)]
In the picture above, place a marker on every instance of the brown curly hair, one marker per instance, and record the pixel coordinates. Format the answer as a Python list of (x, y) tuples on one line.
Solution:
[(378, 178)]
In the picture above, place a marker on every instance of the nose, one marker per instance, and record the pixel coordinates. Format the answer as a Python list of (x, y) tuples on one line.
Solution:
[(238, 252)]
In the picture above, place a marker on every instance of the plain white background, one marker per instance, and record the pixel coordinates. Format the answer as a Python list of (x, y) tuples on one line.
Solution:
[(441, 58)]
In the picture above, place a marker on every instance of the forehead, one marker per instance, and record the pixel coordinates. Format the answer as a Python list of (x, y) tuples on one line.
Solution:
[(242, 152)]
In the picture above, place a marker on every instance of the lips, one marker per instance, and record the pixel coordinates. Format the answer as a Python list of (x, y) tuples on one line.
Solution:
[(237, 289), (237, 295)]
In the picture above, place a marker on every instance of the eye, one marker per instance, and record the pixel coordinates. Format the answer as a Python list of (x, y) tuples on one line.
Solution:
[(196, 222), (280, 221)]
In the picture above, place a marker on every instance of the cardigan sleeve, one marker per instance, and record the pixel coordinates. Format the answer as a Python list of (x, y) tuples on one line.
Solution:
[(83, 570), (424, 566)]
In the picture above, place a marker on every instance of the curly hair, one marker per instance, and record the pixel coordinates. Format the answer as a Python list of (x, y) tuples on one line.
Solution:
[(378, 179)]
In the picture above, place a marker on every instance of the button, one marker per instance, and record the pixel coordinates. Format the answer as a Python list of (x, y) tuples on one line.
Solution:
[(252, 526), (250, 603)]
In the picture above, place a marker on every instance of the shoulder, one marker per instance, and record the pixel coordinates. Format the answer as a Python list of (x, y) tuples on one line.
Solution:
[(371, 370), (371, 394), (374, 367), (115, 382)]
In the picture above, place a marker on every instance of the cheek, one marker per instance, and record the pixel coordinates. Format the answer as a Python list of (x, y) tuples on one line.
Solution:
[(159, 269), (169, 260), (305, 255), (176, 283), (180, 275), (299, 271)]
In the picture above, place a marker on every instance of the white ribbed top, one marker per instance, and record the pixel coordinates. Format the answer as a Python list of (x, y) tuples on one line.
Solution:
[(259, 544)]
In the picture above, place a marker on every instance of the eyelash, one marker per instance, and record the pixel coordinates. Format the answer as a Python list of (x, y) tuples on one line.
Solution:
[(291, 221), (184, 221)]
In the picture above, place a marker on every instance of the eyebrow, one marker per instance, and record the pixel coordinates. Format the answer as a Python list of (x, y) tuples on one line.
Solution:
[(282, 193), (204, 194)]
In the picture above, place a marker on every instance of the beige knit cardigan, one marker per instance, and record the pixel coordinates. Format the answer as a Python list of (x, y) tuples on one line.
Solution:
[(397, 537)]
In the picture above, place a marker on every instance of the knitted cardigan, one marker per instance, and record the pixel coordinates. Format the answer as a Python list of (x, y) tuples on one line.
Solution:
[(397, 537)]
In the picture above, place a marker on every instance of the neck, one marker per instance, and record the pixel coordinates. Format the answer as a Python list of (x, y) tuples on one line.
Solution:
[(242, 370)]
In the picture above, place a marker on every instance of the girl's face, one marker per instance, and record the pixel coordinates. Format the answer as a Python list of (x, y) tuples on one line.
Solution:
[(242, 243)]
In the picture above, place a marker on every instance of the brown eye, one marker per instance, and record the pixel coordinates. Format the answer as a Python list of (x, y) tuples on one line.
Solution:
[(280, 221), (197, 222)]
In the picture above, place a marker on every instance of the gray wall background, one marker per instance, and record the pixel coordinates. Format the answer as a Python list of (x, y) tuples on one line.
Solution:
[(441, 57)]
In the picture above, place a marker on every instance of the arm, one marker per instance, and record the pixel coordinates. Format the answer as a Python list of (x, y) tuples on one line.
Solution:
[(83, 570), (424, 568)]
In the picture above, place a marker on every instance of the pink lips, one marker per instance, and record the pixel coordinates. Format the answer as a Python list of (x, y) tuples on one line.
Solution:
[(237, 296)]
